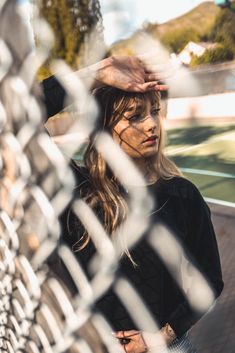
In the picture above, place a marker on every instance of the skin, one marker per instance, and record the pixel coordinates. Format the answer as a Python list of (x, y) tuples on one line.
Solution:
[(127, 73), (141, 342), (134, 128)]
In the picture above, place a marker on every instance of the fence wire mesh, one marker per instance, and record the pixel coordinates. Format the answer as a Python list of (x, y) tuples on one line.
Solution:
[(41, 308)]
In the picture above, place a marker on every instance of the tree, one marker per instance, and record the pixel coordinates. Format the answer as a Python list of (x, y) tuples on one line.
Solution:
[(71, 21), (211, 56), (176, 40), (224, 28)]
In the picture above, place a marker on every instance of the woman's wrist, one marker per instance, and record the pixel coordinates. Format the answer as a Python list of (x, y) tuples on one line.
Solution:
[(158, 341), (168, 333)]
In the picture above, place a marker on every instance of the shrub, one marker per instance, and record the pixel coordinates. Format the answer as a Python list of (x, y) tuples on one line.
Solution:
[(176, 40), (211, 56)]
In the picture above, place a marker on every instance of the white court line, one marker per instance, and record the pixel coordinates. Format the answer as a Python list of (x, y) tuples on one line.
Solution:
[(224, 136), (207, 172), (220, 202), (211, 173), (183, 149)]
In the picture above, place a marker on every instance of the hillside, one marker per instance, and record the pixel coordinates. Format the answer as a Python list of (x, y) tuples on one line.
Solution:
[(197, 23), (201, 18)]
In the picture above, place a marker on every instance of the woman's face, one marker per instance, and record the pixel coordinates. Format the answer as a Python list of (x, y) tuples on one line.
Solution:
[(138, 130)]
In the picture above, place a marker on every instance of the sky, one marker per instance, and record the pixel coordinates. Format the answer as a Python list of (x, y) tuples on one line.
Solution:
[(122, 17)]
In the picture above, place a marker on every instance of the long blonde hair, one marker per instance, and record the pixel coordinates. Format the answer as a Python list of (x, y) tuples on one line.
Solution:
[(105, 193)]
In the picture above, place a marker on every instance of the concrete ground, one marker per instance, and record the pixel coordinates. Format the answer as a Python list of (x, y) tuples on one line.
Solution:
[(215, 333)]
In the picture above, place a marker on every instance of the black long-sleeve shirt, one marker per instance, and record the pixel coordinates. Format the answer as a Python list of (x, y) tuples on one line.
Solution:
[(182, 209), (54, 96)]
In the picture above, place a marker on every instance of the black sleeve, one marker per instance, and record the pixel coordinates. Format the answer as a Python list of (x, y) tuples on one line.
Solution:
[(202, 247), (54, 96)]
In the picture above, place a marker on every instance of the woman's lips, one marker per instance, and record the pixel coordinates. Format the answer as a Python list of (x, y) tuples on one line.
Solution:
[(151, 141)]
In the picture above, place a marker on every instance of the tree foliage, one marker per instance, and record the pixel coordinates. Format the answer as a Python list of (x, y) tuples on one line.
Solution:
[(211, 56), (221, 30), (71, 22), (176, 40), (224, 28)]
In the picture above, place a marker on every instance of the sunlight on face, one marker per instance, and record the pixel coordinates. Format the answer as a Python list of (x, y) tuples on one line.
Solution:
[(138, 131)]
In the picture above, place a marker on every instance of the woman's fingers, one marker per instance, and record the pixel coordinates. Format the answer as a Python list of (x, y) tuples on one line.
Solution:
[(153, 76), (161, 87), (147, 86)]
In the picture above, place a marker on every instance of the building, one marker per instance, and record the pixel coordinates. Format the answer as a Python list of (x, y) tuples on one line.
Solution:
[(193, 48)]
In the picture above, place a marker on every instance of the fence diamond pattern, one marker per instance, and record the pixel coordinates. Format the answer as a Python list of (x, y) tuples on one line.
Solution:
[(40, 309)]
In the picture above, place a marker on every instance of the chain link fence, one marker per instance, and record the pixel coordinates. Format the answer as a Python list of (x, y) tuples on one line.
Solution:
[(47, 303)]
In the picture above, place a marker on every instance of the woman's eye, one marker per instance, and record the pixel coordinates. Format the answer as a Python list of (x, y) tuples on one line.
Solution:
[(155, 111), (135, 117)]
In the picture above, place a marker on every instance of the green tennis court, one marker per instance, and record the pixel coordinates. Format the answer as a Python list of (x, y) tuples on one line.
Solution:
[(206, 155)]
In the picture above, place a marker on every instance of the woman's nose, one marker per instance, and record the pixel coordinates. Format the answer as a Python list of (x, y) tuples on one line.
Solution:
[(150, 123)]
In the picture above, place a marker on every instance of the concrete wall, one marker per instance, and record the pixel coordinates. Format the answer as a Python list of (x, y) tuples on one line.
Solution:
[(211, 106)]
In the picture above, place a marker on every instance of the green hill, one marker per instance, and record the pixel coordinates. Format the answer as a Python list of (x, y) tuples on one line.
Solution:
[(175, 34), (200, 19)]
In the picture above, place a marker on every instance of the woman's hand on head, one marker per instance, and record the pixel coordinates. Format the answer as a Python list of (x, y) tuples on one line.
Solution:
[(127, 73)]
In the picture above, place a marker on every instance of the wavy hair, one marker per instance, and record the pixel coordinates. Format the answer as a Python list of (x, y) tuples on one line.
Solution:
[(105, 192)]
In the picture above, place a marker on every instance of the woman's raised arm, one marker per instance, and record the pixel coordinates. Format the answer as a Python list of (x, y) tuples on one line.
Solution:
[(123, 72)]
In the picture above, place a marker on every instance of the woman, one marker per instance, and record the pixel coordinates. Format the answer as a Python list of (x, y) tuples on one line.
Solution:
[(133, 120)]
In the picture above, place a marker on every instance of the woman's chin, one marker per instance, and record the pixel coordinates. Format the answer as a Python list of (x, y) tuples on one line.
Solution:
[(150, 153)]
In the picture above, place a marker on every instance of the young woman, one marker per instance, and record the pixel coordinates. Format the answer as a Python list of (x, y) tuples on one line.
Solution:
[(134, 122)]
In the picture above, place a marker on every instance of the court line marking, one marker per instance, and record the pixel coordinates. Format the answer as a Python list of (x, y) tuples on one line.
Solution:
[(220, 202), (230, 136), (207, 172), (183, 149), (211, 173)]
